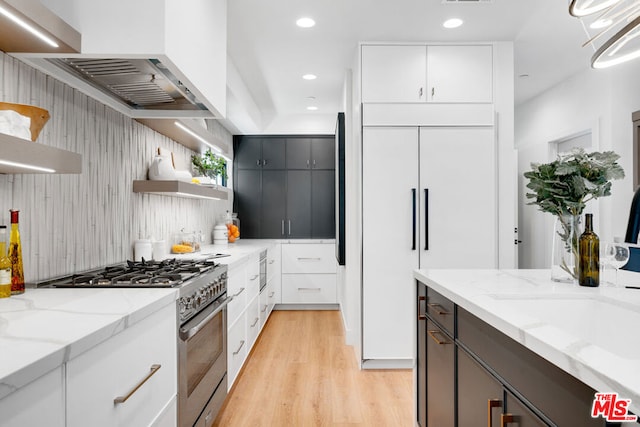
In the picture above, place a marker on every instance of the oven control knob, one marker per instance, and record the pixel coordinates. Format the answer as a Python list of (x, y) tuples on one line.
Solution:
[(183, 305)]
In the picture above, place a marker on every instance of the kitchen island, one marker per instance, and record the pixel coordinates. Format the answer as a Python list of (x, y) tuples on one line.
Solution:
[(589, 333)]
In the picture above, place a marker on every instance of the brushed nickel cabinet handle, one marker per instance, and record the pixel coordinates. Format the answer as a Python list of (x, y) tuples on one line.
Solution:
[(238, 350), (438, 308), (239, 292), (122, 399), (271, 261), (255, 322), (258, 162), (264, 309), (421, 314), (433, 333), (255, 277), (271, 294), (420, 92), (309, 259), (506, 419), (433, 92), (492, 403), (289, 227), (310, 289)]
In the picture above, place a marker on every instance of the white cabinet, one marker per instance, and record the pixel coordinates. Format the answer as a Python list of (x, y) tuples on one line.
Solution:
[(309, 273), (434, 207), (113, 369), (236, 348), (39, 403), (419, 73)]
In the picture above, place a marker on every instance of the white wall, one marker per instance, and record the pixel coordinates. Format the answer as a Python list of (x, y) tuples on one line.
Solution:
[(294, 124), (601, 100), (70, 223)]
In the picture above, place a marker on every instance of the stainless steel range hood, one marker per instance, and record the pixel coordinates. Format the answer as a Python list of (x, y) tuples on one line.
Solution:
[(139, 83)]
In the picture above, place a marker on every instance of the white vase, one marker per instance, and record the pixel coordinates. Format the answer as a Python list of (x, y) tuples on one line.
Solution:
[(564, 252)]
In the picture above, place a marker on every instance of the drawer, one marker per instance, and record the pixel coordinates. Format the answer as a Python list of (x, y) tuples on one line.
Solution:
[(116, 366), (561, 397), (236, 288), (309, 289), (253, 276), (274, 261), (308, 258), (264, 304), (441, 310), (253, 322), (236, 348)]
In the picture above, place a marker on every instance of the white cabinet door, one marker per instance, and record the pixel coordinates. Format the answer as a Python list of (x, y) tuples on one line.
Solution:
[(236, 348), (393, 73), (458, 168), (309, 289), (115, 367), (309, 258), (460, 73), (39, 403), (390, 240)]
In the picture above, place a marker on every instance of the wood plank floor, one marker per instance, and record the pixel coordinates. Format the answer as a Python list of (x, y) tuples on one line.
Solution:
[(300, 373)]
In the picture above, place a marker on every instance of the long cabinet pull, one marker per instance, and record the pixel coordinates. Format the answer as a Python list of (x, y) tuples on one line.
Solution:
[(421, 313), (283, 227), (254, 277), (426, 219), (413, 212), (289, 227), (432, 334), (122, 399), (239, 292), (310, 289), (264, 309), (255, 322), (506, 419), (438, 308), (238, 350), (492, 403), (309, 259)]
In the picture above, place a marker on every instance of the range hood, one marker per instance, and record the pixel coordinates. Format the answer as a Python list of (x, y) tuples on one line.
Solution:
[(160, 59)]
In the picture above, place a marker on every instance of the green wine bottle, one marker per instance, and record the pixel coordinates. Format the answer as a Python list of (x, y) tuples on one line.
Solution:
[(589, 255)]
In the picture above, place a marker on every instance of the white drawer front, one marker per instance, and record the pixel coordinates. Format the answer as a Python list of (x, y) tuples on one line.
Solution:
[(253, 321), (236, 349), (308, 258), (114, 368), (309, 288)]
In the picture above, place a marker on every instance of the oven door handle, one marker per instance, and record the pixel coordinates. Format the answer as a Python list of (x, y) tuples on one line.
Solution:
[(187, 333)]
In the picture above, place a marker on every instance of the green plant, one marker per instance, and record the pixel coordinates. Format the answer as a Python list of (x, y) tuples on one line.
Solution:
[(209, 164), (564, 186)]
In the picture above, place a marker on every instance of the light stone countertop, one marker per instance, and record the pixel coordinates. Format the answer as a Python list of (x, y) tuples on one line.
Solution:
[(44, 328), (591, 333)]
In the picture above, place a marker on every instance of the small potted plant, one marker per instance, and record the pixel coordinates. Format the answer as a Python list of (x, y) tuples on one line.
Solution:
[(209, 167), (562, 188)]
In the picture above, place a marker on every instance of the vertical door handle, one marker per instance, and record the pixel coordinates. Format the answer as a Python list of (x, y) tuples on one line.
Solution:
[(420, 92), (283, 227), (433, 92), (413, 234), (307, 162), (314, 163), (492, 403), (421, 313), (426, 219), (258, 162), (289, 227), (264, 162), (507, 419)]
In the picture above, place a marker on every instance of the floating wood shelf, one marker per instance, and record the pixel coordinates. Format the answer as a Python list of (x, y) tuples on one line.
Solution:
[(16, 155), (180, 189)]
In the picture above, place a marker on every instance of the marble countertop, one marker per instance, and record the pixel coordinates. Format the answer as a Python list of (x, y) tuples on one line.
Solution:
[(588, 332), (44, 328)]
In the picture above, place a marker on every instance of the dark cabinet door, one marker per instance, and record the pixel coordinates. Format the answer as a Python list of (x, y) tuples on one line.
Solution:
[(274, 196), (421, 357), (480, 395), (298, 204), (273, 153), (323, 153), (518, 415), (248, 153), (323, 219), (440, 377), (248, 202), (298, 153)]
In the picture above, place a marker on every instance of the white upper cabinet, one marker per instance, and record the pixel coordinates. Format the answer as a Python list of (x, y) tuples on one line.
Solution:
[(394, 73), (459, 73), (418, 74)]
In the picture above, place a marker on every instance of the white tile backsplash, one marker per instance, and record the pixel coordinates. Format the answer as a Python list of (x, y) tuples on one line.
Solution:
[(70, 223)]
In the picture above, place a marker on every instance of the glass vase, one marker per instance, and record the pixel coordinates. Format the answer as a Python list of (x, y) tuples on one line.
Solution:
[(564, 250)]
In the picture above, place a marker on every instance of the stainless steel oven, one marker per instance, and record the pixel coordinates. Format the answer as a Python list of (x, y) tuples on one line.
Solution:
[(202, 350)]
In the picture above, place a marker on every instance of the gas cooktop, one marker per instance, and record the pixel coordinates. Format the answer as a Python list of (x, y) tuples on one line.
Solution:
[(138, 274)]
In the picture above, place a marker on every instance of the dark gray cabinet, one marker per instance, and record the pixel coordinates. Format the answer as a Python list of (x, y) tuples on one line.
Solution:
[(285, 186), (496, 380)]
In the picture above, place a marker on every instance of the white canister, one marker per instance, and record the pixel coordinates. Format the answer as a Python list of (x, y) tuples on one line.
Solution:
[(159, 250), (220, 235), (142, 248)]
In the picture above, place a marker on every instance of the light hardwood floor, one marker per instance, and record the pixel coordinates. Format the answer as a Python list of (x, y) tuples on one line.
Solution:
[(300, 373)]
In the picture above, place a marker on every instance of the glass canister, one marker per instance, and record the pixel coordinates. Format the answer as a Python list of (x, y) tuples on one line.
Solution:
[(233, 226), (15, 255)]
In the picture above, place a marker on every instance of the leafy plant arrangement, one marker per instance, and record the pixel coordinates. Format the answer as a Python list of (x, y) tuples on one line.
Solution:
[(564, 186), (210, 165)]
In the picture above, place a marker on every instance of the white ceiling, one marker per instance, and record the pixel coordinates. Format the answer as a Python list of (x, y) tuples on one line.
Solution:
[(271, 53)]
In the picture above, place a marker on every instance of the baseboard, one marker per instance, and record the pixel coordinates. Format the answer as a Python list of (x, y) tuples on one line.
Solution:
[(387, 364), (306, 307)]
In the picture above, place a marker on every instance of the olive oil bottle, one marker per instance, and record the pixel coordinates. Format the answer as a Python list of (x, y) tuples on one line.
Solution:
[(15, 255), (589, 255), (5, 265)]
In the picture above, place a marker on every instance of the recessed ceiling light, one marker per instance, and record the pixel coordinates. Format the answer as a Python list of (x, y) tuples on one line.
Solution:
[(312, 108), (309, 77), (452, 23), (305, 22)]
